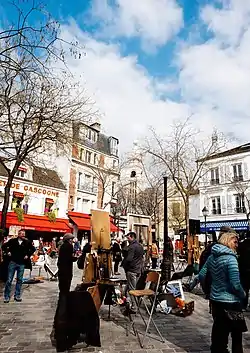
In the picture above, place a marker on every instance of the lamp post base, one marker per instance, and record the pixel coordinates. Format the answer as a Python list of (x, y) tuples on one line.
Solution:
[(166, 266)]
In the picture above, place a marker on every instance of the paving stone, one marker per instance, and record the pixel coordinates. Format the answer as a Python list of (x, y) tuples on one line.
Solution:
[(25, 327)]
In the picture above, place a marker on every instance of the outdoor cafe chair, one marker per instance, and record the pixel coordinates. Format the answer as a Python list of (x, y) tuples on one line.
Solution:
[(140, 296)]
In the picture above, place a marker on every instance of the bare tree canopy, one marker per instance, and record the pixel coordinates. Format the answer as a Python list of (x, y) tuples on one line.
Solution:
[(38, 104), (182, 156)]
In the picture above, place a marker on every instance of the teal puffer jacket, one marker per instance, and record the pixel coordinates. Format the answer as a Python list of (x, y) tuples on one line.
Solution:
[(223, 267)]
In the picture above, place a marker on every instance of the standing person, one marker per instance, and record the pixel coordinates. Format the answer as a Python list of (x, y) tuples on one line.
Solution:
[(244, 267), (226, 294), (65, 263), (19, 251), (117, 256), (132, 264), (154, 254)]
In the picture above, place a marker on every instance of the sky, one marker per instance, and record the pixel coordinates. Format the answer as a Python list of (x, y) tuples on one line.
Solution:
[(152, 62)]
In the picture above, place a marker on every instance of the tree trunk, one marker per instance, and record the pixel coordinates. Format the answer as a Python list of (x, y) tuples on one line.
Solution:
[(190, 239), (5, 206)]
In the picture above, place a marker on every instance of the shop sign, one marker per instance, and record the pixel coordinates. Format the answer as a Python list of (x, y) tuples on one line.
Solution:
[(31, 189)]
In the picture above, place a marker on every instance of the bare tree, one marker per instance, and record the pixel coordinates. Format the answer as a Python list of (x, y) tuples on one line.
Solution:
[(182, 157), (38, 103), (35, 115), (39, 40)]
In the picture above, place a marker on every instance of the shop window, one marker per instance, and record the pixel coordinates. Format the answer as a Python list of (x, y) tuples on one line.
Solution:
[(48, 205)]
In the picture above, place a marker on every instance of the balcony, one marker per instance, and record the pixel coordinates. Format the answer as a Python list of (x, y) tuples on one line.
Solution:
[(86, 187), (214, 182), (238, 178), (240, 210), (216, 211)]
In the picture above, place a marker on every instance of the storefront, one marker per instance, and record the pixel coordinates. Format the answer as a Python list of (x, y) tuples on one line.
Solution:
[(37, 191)]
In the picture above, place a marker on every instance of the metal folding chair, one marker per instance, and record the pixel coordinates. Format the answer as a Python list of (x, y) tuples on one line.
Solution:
[(140, 296)]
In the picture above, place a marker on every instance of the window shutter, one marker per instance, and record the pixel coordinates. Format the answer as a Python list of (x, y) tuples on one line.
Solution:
[(229, 204), (228, 174), (222, 174), (245, 171), (223, 205)]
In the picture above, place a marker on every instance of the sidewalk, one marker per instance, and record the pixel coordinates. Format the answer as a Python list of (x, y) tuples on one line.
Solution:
[(25, 327)]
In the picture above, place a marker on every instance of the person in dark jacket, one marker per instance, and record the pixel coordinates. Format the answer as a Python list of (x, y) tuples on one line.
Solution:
[(133, 263), (19, 251), (65, 263), (226, 294), (117, 255), (244, 267)]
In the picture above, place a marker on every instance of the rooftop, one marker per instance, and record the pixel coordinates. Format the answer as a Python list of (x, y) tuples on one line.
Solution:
[(233, 151)]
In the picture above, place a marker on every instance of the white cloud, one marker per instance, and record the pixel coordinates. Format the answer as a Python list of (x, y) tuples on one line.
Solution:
[(124, 92), (216, 74), (153, 21)]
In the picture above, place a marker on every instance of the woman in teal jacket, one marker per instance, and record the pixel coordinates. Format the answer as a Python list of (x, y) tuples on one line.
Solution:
[(226, 294)]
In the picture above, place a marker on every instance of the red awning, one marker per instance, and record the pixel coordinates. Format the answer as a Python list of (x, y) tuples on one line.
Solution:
[(113, 227), (38, 223), (82, 220)]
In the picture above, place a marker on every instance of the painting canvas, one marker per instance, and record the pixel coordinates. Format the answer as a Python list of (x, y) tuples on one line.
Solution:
[(175, 287)]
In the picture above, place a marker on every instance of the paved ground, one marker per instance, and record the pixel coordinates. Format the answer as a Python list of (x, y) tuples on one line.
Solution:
[(25, 327)]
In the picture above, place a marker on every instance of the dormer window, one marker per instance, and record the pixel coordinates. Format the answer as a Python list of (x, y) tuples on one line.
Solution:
[(113, 143), (21, 173)]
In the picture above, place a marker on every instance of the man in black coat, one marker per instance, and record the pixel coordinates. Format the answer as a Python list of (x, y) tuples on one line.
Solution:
[(133, 263), (65, 263), (19, 251), (244, 267)]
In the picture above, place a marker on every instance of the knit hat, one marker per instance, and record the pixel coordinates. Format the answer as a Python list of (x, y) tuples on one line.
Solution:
[(68, 236)]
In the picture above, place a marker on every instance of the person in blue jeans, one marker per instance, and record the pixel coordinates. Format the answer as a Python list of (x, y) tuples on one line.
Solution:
[(19, 251)]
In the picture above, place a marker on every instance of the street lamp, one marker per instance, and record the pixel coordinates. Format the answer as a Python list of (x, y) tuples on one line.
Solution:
[(205, 214), (167, 251)]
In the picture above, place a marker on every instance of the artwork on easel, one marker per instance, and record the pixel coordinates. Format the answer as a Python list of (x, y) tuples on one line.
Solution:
[(100, 236)]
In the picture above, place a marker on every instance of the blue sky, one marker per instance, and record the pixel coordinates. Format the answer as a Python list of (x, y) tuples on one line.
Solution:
[(151, 62)]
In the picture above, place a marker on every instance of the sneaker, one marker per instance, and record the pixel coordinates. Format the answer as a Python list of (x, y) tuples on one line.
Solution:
[(6, 300), (18, 299)]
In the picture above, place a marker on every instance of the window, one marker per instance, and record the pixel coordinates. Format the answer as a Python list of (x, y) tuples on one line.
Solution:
[(21, 173), (113, 188), (79, 185), (113, 142), (237, 172), (17, 200), (88, 157), (133, 174), (48, 205), (240, 203), (216, 205), (81, 154), (95, 159), (215, 176), (85, 206), (94, 185), (89, 134), (71, 200)]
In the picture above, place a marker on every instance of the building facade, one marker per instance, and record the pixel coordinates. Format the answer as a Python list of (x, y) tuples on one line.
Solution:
[(225, 189), (94, 170), (36, 190)]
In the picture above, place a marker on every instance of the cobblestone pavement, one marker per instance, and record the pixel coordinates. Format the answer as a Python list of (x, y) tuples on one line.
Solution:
[(25, 327)]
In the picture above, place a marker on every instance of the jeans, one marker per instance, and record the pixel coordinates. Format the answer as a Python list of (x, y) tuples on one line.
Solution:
[(116, 266), (221, 330), (13, 267), (132, 279)]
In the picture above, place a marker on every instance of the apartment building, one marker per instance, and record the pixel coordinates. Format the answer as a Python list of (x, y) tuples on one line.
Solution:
[(225, 189), (94, 169)]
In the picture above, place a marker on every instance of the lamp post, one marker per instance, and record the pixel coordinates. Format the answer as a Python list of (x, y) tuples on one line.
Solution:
[(205, 214), (166, 262)]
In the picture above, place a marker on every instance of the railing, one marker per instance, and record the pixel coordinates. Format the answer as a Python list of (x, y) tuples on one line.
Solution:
[(238, 178), (88, 188), (216, 211), (214, 181), (240, 209)]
